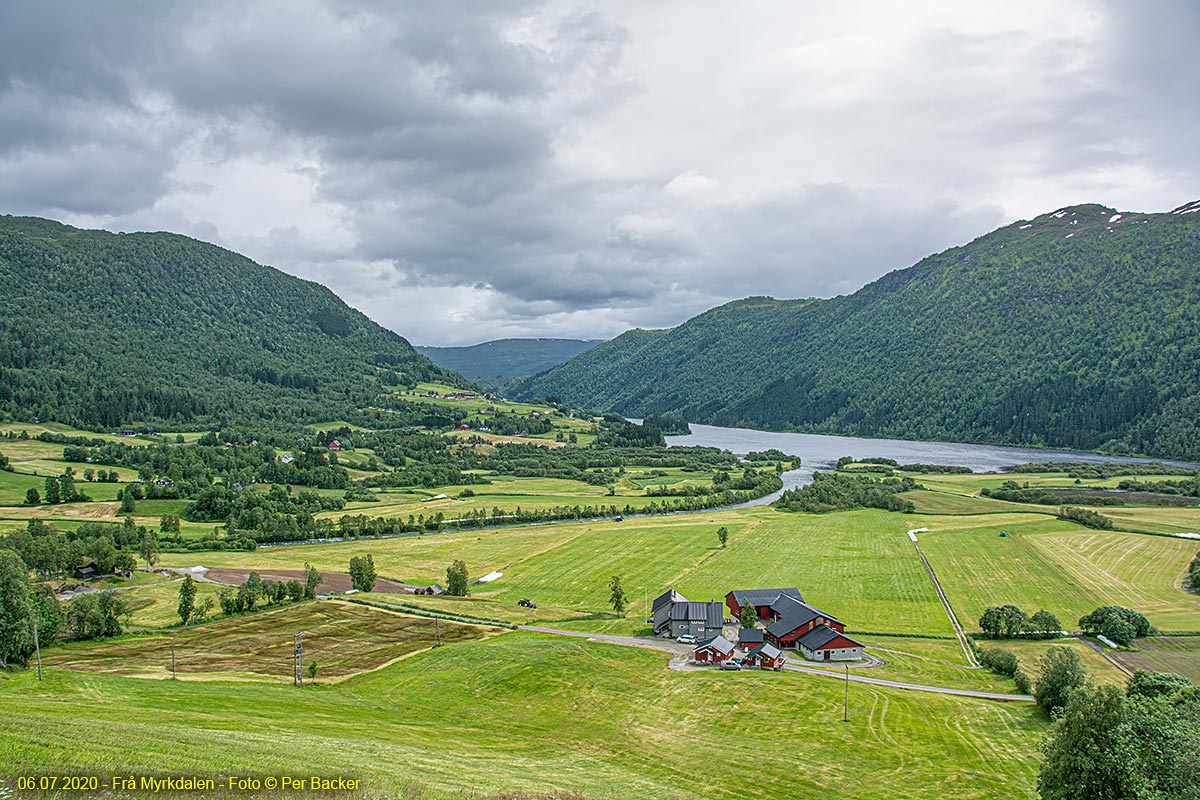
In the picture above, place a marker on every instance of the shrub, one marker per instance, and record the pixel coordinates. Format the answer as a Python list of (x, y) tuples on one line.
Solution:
[(1001, 662), (1060, 672)]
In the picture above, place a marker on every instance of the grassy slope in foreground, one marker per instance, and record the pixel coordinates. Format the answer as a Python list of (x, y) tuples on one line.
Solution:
[(531, 713)]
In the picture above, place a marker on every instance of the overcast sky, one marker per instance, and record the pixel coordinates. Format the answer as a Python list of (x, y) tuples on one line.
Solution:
[(468, 171)]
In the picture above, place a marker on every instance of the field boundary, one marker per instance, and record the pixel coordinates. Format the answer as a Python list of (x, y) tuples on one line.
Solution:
[(423, 612), (967, 645)]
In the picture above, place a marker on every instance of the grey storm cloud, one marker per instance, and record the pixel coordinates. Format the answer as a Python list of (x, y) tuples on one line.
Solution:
[(462, 171)]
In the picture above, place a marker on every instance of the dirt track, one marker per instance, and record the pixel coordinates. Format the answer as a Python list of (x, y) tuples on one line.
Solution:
[(331, 581)]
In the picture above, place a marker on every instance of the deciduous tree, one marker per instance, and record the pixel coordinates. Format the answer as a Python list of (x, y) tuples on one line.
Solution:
[(456, 579), (1060, 671), (616, 594), (16, 630), (187, 599), (362, 572)]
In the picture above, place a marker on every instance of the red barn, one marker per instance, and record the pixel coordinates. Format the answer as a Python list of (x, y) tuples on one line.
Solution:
[(826, 644), (761, 599), (794, 620), (335, 445)]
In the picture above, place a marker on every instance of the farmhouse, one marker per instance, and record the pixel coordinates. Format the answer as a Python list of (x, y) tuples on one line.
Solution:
[(335, 445), (765, 656), (674, 615), (761, 599), (714, 650), (87, 572)]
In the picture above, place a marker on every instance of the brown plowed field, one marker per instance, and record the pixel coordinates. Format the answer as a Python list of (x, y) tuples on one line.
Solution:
[(332, 582)]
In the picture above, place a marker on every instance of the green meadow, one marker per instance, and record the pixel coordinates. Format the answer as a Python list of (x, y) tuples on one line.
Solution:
[(530, 713)]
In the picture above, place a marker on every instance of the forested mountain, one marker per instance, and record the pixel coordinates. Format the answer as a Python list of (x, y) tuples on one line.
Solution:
[(101, 330), (507, 358), (1080, 328)]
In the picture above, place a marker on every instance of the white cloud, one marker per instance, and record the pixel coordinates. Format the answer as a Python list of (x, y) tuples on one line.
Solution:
[(468, 171)]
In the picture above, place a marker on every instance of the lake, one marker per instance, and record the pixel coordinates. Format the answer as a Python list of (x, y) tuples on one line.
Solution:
[(819, 452)]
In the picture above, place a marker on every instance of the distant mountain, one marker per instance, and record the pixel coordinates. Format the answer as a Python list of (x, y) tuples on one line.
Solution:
[(507, 358), (101, 329), (1080, 328)]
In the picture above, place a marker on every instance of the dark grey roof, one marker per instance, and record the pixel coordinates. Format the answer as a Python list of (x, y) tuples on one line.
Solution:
[(764, 597), (718, 643), (750, 636), (820, 636), (669, 596), (793, 614), (713, 614), (768, 651)]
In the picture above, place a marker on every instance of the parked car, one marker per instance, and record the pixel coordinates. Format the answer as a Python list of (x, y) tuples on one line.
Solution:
[(686, 638), (732, 663)]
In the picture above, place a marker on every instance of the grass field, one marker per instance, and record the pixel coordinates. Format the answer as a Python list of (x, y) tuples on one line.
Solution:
[(154, 601), (852, 565), (343, 639), (522, 712), (1062, 568), (1178, 654), (1100, 669)]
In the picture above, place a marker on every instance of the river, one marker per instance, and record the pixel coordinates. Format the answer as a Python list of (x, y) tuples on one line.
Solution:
[(820, 452)]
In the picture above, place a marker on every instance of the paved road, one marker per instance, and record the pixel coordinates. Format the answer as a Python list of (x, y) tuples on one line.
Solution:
[(684, 651), (913, 687)]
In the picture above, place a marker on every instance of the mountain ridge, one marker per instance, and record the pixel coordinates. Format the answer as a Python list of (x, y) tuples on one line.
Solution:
[(1072, 329), (103, 329), (506, 358)]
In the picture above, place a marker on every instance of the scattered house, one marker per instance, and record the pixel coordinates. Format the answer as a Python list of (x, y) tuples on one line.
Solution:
[(794, 618), (714, 651), (464, 427), (335, 445), (761, 599), (750, 638), (287, 458), (164, 482), (128, 432), (825, 644), (435, 589), (674, 616), (765, 656), (88, 572)]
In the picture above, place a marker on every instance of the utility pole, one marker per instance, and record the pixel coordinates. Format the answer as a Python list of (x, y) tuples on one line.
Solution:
[(173, 659), (846, 705), (37, 646), (298, 641)]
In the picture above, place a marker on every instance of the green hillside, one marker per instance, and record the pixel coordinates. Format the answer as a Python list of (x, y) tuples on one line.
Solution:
[(101, 330), (1080, 328), (507, 358)]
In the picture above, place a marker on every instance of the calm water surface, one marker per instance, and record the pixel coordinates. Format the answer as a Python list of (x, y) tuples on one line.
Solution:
[(820, 453)]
